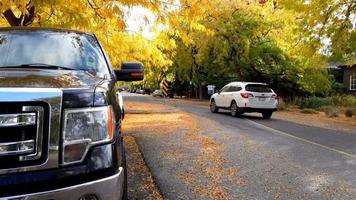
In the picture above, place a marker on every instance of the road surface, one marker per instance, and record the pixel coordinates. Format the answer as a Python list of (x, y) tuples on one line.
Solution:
[(276, 159)]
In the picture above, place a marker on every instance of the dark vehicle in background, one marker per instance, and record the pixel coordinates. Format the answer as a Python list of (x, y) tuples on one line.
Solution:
[(147, 91), (60, 117)]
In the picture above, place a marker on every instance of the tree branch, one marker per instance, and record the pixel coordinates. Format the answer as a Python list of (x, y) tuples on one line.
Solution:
[(23, 20), (11, 18)]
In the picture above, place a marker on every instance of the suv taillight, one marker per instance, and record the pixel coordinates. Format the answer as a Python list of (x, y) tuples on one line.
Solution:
[(275, 97), (246, 95)]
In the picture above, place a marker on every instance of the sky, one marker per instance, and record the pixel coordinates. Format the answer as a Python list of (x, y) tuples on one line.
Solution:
[(140, 20)]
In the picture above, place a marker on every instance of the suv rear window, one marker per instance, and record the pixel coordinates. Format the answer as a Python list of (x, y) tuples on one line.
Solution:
[(258, 88)]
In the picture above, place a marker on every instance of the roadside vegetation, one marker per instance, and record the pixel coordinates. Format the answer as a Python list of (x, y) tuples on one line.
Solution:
[(332, 106), (285, 43)]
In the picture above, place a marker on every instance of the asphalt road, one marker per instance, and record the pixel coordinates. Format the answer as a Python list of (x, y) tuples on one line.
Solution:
[(277, 159)]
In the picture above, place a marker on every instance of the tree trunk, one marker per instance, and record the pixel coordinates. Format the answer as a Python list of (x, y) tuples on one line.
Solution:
[(23, 20), (200, 91)]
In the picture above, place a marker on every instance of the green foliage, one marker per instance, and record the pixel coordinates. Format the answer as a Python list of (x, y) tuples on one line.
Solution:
[(344, 100), (250, 47), (328, 19), (315, 81), (335, 101), (314, 103)]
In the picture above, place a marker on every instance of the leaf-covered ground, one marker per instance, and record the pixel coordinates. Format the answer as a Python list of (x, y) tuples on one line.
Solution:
[(146, 108), (200, 155), (140, 182), (195, 158)]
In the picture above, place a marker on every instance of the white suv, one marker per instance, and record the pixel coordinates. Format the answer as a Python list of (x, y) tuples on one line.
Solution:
[(241, 97)]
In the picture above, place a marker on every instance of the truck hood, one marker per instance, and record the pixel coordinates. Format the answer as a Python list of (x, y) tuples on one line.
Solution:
[(78, 86), (42, 78)]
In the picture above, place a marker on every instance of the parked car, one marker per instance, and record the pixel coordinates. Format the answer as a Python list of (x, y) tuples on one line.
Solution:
[(122, 89), (139, 91), (241, 97), (157, 93), (60, 119)]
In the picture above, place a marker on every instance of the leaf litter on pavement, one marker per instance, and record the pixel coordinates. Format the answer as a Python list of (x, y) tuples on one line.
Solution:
[(207, 172), (140, 182)]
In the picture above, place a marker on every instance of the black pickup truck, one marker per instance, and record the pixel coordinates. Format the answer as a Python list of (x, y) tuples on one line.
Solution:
[(60, 116)]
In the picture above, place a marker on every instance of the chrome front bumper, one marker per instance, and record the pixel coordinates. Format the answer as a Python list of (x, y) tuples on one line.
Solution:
[(109, 188)]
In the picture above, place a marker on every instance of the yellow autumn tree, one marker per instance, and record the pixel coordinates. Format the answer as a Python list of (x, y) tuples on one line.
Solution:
[(104, 18)]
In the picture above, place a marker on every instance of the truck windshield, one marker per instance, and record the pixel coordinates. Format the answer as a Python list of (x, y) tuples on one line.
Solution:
[(258, 88), (68, 50)]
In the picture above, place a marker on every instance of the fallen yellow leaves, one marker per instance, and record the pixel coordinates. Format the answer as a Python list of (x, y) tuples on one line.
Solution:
[(188, 179), (206, 171), (140, 181), (148, 107), (212, 192)]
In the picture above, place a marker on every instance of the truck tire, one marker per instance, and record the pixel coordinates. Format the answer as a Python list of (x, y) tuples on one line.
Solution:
[(124, 165)]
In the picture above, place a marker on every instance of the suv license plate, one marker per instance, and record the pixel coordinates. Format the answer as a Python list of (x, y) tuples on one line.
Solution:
[(261, 99)]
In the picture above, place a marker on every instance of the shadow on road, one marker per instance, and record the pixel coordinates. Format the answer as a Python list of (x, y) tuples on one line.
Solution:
[(248, 116)]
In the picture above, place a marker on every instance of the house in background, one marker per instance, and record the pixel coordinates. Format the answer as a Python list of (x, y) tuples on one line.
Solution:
[(344, 75), (349, 79)]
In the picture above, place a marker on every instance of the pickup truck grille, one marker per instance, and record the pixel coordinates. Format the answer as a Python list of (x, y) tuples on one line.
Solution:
[(29, 129), (22, 134)]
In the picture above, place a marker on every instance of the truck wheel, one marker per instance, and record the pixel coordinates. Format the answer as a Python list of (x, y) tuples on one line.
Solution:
[(124, 165), (234, 109), (266, 115), (213, 107)]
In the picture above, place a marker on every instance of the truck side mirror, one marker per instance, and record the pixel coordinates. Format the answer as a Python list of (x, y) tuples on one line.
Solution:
[(130, 71)]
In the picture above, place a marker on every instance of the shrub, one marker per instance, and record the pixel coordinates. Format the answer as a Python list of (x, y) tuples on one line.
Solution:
[(318, 102), (331, 111), (343, 100), (283, 105), (349, 113), (309, 111), (314, 102)]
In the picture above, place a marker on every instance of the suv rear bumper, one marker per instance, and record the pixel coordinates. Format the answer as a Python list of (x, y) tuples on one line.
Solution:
[(108, 188)]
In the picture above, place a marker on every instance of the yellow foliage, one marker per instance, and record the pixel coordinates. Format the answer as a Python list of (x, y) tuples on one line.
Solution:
[(104, 18)]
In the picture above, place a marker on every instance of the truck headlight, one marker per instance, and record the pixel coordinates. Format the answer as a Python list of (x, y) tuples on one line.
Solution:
[(83, 128)]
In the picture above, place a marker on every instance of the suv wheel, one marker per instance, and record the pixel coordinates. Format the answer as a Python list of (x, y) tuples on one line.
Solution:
[(234, 110), (266, 115), (213, 107)]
